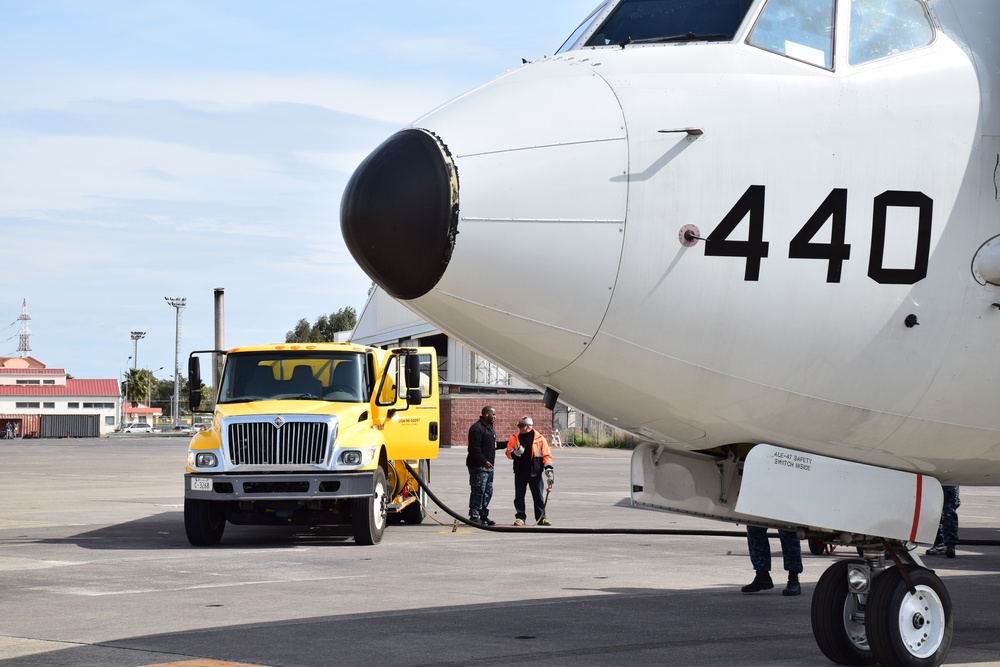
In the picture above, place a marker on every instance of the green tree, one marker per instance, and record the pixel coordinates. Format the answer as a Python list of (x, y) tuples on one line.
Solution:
[(134, 387), (325, 328)]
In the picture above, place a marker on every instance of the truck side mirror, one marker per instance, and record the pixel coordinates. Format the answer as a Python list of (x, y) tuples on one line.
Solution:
[(194, 383), (414, 396), (413, 393)]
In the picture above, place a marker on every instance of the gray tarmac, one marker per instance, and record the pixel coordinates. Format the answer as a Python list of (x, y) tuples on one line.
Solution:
[(95, 570)]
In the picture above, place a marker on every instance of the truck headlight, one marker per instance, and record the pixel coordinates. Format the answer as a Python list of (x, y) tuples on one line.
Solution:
[(356, 457), (205, 460)]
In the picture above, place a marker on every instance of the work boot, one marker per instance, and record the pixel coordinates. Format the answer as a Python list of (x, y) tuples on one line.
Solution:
[(949, 550), (761, 582), (544, 522), (489, 522), (475, 519), (518, 522), (793, 587), (936, 550)]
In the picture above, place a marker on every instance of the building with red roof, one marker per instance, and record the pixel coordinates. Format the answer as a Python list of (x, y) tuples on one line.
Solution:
[(44, 402)]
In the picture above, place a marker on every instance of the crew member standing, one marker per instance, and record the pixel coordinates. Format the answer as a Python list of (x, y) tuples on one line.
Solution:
[(947, 536), (760, 558), (482, 454), (529, 450)]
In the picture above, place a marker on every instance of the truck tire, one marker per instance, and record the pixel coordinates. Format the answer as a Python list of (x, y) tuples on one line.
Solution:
[(415, 512), (204, 522), (368, 515)]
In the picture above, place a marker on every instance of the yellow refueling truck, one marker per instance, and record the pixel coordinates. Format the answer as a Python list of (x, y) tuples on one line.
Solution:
[(312, 434)]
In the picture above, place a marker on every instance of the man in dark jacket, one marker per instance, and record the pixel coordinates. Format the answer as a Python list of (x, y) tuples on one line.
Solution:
[(482, 454)]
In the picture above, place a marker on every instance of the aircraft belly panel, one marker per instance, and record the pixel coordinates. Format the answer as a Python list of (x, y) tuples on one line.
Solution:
[(686, 483), (795, 487), (783, 488)]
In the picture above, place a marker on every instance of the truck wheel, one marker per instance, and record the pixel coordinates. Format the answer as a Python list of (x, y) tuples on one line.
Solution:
[(415, 512), (368, 515), (203, 522)]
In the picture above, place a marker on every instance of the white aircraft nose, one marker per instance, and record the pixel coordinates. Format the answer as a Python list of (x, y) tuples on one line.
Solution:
[(529, 243)]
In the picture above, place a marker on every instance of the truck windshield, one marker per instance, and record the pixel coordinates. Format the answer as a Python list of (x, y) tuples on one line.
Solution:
[(665, 21), (284, 375)]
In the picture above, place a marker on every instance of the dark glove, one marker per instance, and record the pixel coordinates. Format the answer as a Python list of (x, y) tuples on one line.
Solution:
[(550, 476)]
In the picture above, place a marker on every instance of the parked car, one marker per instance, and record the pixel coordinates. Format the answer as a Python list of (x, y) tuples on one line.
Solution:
[(137, 427)]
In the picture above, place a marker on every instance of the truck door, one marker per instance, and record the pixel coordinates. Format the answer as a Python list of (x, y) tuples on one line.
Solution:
[(412, 431)]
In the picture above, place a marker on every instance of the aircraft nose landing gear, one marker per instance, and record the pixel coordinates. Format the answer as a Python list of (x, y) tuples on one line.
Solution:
[(902, 618), (909, 628)]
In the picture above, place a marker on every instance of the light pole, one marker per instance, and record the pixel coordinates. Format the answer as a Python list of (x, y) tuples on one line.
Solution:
[(178, 303), (149, 390), (125, 389), (136, 337)]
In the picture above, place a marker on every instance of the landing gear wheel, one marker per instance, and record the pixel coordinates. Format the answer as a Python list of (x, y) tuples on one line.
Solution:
[(368, 515), (204, 522), (817, 547), (415, 512), (909, 630), (838, 619)]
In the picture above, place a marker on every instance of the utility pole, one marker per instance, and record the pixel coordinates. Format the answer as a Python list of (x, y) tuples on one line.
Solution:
[(125, 390), (178, 303), (149, 388), (136, 337)]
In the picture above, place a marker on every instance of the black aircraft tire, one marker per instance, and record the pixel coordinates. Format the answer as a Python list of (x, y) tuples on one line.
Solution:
[(839, 638), (415, 512), (204, 522), (909, 630), (368, 515), (817, 547)]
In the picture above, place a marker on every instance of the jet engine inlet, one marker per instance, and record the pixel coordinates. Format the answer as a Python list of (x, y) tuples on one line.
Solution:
[(399, 213)]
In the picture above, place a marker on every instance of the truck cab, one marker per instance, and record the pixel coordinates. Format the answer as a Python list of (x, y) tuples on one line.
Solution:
[(312, 434)]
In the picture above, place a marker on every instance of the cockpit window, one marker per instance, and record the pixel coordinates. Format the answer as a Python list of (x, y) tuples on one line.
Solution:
[(799, 29), (664, 21), (584, 26), (882, 28)]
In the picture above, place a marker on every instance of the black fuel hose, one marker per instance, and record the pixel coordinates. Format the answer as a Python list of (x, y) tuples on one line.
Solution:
[(568, 531), (607, 531)]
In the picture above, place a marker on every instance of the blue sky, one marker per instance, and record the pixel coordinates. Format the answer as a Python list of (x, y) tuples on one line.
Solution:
[(153, 149)]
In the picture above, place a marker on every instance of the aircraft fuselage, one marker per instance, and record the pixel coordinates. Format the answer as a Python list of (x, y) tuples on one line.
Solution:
[(834, 306)]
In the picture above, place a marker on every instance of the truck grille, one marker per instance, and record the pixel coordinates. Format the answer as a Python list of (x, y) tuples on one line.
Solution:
[(292, 443)]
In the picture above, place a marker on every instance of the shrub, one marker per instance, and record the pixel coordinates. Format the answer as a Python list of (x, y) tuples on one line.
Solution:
[(618, 440)]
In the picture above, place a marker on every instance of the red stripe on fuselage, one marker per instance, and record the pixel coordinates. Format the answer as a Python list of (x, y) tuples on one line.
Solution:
[(916, 508)]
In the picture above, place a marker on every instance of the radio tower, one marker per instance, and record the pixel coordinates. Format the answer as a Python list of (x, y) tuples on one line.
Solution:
[(23, 347)]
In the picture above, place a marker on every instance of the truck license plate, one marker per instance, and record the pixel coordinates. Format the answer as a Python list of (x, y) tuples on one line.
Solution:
[(201, 483)]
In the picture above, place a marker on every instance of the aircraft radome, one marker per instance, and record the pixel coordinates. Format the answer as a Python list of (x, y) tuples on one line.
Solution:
[(762, 235)]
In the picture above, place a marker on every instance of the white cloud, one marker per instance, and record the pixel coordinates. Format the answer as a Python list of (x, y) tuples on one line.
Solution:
[(155, 149)]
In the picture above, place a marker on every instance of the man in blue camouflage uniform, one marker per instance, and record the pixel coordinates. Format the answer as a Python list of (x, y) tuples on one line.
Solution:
[(760, 558), (947, 536)]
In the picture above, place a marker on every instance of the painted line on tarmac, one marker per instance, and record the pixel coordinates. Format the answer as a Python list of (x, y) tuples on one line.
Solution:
[(203, 663)]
